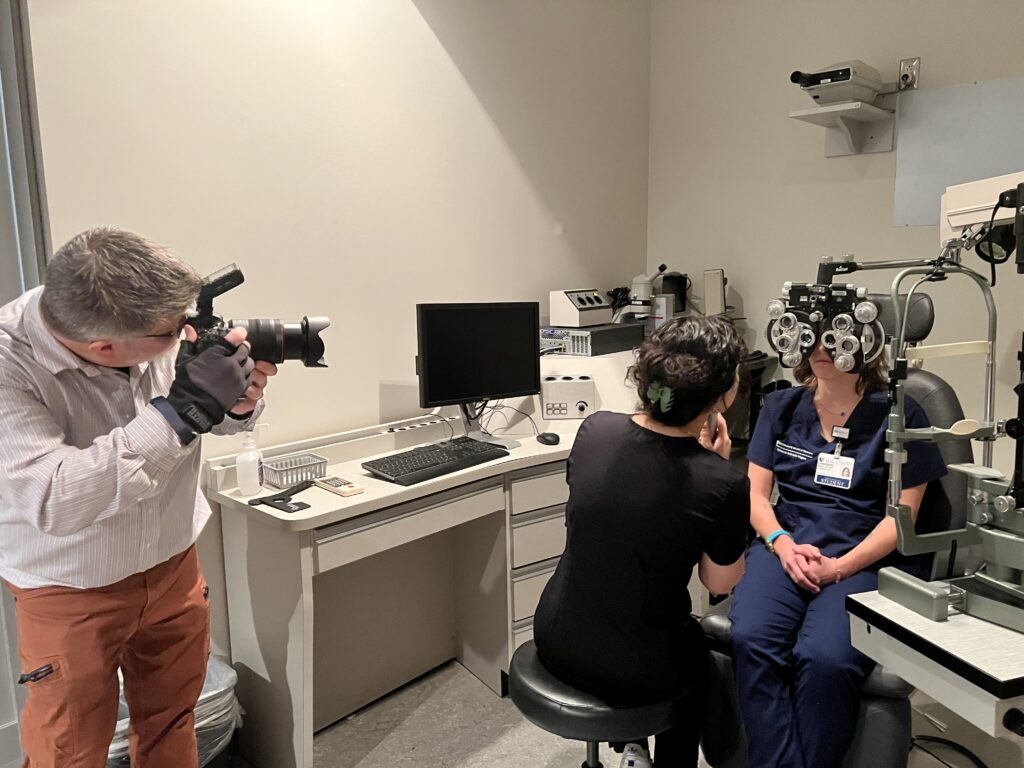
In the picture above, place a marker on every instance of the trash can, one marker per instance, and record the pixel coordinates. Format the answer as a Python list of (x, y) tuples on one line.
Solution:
[(218, 714)]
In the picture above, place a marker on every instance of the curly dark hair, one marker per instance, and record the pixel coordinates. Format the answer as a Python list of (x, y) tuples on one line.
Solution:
[(696, 357), (873, 378)]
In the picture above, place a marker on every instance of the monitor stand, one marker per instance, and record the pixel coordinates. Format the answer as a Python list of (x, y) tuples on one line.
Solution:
[(475, 431)]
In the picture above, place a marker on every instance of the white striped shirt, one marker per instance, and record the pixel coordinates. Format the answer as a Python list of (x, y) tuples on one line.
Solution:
[(94, 484)]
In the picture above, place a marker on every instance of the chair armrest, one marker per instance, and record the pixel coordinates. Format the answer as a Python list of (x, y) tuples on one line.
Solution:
[(882, 682), (717, 627)]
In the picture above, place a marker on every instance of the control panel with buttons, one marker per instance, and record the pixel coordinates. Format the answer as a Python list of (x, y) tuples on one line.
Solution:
[(568, 397), (579, 308)]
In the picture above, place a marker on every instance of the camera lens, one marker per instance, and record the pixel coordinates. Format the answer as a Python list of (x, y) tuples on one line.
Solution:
[(802, 79), (828, 338), (787, 321), (275, 342), (848, 344), (807, 337)]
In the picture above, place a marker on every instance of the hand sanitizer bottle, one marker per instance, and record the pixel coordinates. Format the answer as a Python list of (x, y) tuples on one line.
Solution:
[(249, 465)]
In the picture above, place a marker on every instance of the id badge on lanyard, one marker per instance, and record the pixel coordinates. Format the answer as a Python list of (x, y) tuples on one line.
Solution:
[(834, 469)]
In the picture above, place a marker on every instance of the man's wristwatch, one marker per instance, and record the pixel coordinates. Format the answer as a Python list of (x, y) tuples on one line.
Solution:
[(769, 540)]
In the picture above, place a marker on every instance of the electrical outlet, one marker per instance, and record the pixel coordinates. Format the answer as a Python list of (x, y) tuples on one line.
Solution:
[(910, 72)]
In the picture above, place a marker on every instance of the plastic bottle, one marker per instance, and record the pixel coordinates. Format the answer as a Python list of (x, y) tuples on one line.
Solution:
[(249, 465)]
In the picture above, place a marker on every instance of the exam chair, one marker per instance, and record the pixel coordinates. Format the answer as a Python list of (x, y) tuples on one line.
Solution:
[(883, 736)]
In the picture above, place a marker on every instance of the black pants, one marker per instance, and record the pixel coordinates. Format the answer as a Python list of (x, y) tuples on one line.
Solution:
[(678, 746)]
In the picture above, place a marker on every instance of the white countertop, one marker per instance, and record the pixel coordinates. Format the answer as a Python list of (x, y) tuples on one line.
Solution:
[(992, 651), (327, 508)]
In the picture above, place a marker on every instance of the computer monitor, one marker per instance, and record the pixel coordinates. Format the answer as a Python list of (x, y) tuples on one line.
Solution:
[(472, 352)]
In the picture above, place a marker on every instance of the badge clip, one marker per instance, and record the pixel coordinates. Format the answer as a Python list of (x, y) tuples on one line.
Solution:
[(839, 434)]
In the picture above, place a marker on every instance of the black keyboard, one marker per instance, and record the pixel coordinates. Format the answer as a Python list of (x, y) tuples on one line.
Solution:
[(430, 461)]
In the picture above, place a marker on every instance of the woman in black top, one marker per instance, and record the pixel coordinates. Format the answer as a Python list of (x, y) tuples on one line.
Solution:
[(651, 496)]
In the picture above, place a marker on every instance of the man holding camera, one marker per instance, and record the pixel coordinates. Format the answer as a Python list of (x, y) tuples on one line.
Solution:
[(100, 408)]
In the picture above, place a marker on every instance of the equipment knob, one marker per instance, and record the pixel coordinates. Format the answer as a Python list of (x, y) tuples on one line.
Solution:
[(844, 363), (1005, 504)]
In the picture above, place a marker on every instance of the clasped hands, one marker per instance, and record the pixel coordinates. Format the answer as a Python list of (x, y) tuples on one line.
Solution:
[(805, 564)]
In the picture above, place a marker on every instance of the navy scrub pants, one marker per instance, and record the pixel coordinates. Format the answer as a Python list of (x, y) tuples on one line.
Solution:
[(797, 676)]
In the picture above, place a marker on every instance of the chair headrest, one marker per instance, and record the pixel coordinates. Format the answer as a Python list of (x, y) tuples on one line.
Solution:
[(920, 319)]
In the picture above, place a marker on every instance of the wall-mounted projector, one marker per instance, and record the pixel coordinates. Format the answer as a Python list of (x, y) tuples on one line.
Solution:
[(843, 82)]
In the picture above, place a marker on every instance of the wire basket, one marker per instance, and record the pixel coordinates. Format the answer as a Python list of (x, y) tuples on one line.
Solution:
[(286, 471)]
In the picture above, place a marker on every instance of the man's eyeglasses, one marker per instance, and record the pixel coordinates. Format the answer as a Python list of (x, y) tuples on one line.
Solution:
[(168, 334)]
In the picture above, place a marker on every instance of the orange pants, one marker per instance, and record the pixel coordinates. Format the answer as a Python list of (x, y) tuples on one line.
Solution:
[(155, 626)]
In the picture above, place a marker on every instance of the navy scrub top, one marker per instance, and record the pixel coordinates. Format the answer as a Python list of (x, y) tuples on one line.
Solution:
[(787, 441)]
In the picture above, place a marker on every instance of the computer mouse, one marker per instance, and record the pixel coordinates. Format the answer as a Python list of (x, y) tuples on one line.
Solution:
[(548, 438)]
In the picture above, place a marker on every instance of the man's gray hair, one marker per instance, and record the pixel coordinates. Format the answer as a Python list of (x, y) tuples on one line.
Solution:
[(108, 283)]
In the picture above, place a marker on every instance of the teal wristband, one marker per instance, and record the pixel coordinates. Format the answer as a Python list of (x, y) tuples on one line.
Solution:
[(774, 535)]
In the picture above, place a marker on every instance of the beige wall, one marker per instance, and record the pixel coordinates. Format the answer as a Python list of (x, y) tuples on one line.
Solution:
[(735, 183), (354, 158)]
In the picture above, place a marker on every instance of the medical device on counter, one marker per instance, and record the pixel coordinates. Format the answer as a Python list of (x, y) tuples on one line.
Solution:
[(567, 396), (579, 308), (588, 342)]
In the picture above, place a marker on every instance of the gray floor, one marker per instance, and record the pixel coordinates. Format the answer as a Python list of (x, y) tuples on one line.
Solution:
[(446, 719), (449, 719)]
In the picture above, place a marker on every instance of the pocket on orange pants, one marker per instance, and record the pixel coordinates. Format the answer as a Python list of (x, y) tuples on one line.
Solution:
[(49, 716)]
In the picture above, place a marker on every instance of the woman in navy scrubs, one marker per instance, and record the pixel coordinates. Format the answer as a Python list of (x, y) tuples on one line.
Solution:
[(797, 675)]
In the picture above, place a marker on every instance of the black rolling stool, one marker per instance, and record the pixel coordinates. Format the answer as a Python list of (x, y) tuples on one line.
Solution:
[(560, 709)]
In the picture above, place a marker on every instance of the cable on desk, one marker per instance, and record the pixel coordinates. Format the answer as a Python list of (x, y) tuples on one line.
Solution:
[(472, 416), (915, 742), (500, 406), (485, 427)]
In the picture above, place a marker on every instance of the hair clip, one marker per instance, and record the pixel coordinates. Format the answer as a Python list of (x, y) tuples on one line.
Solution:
[(662, 395)]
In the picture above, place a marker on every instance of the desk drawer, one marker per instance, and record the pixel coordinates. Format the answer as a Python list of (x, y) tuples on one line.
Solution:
[(521, 632), (527, 588), (370, 534), (539, 490), (538, 536)]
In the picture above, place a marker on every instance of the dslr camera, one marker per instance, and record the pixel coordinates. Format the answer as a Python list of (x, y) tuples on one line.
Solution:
[(269, 340)]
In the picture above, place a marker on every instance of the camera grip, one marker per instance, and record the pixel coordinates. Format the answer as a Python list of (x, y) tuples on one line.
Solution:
[(208, 382)]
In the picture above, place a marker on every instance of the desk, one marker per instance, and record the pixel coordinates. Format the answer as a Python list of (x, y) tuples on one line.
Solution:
[(971, 667), (334, 606)]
